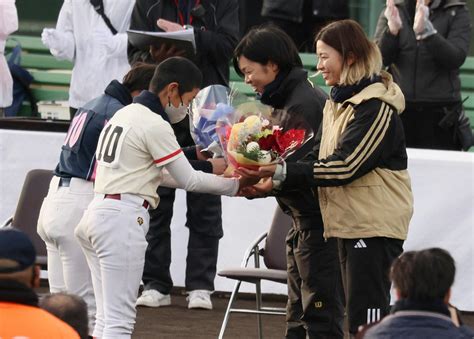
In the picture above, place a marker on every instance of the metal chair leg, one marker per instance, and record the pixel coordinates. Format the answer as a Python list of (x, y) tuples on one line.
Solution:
[(228, 310), (258, 297)]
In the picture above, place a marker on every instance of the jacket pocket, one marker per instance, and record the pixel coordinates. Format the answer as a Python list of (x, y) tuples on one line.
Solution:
[(355, 207)]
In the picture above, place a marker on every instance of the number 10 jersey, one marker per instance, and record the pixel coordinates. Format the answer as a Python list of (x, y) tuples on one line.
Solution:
[(132, 149)]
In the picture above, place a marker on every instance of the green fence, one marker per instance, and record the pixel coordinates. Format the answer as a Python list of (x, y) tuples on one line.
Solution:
[(366, 12)]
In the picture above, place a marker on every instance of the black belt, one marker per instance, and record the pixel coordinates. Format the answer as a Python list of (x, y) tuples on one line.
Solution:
[(64, 182)]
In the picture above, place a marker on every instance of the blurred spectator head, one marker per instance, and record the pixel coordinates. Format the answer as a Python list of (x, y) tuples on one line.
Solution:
[(17, 258), (267, 44), (139, 77), (361, 57), (425, 275), (69, 308)]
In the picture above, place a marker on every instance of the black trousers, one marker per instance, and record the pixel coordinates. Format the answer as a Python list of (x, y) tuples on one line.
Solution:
[(205, 229), (315, 306), (365, 267), (422, 129)]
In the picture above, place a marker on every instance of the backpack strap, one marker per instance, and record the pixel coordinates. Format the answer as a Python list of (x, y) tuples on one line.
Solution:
[(99, 8)]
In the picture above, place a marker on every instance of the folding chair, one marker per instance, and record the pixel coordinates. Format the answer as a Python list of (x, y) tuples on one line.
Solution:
[(274, 257), (35, 188)]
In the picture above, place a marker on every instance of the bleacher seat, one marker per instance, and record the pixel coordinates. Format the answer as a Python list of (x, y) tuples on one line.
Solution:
[(52, 77)]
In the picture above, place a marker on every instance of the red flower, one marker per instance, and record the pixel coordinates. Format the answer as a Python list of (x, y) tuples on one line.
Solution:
[(276, 147), (289, 139), (267, 143)]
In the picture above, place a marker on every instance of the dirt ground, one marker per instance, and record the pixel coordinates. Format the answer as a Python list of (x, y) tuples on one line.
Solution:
[(178, 322)]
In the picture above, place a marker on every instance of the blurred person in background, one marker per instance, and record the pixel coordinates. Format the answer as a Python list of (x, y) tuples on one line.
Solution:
[(95, 43), (422, 282), (303, 19), (20, 316), (69, 308), (424, 43), (8, 25)]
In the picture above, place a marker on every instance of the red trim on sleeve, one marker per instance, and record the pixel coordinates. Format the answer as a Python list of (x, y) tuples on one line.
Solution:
[(157, 161)]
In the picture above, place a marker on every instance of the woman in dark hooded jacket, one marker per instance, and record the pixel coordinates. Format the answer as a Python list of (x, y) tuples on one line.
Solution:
[(270, 63)]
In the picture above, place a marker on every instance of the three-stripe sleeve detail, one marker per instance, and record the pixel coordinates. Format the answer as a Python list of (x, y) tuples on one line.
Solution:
[(344, 169)]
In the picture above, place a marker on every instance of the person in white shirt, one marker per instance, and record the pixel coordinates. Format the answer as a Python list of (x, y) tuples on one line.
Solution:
[(83, 37), (134, 149), (8, 25)]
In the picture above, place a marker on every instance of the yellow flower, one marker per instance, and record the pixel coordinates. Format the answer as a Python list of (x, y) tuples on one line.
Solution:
[(253, 124), (234, 135)]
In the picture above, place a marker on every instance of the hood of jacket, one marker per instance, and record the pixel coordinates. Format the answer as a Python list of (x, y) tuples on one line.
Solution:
[(386, 90), (118, 91)]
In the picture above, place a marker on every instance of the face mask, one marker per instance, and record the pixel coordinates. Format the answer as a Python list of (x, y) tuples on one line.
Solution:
[(176, 114)]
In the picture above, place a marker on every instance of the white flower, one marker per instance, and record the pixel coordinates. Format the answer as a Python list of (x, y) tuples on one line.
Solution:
[(265, 157), (253, 147)]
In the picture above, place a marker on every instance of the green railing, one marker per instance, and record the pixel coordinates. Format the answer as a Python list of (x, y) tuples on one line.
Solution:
[(52, 77)]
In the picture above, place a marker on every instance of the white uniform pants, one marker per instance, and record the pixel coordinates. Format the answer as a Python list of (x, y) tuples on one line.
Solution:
[(60, 213), (112, 235)]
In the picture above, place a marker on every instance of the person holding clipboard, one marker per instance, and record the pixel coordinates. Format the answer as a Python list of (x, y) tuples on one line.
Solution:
[(216, 33)]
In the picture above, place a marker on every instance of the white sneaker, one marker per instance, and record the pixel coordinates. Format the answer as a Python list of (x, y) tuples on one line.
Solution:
[(200, 299), (153, 298)]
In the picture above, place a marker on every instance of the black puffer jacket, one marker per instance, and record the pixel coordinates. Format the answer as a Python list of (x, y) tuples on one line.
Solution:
[(283, 9), (427, 70), (293, 10), (216, 33), (410, 320), (295, 94)]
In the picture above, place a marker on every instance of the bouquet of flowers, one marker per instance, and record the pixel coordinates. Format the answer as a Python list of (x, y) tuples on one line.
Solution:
[(248, 133), (211, 104), (253, 134)]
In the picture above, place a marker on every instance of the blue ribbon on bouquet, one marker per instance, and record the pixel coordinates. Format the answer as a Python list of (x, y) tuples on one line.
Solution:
[(206, 128)]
